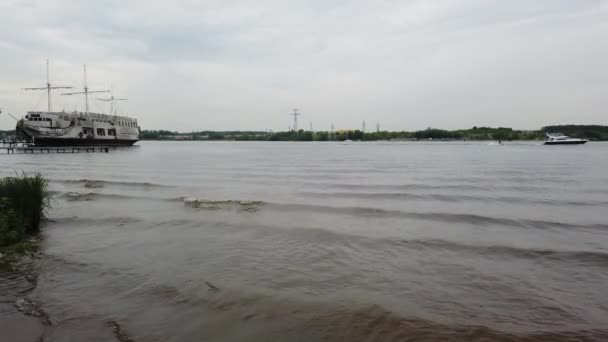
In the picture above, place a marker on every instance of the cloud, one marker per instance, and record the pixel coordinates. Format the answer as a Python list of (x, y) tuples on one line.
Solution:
[(243, 65)]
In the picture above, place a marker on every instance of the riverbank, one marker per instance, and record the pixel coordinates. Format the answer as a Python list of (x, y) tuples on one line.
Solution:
[(22, 319), (23, 203), (591, 132)]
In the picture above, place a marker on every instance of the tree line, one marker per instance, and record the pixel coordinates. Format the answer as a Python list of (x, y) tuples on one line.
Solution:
[(591, 132)]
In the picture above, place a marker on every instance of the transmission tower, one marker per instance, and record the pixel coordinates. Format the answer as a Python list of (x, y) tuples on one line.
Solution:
[(378, 127), (363, 126), (295, 114)]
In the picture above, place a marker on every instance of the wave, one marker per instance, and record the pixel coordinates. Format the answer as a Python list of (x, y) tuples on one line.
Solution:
[(422, 186), (313, 235), (468, 185), (98, 220), (188, 201), (435, 216), (95, 183), (448, 198), (574, 256), (251, 206), (368, 212), (360, 322), (91, 196), (375, 323)]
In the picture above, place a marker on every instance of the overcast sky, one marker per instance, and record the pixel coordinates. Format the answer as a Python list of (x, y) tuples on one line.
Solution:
[(236, 64)]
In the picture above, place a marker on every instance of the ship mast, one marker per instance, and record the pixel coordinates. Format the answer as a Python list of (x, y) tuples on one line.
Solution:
[(112, 99), (86, 91), (48, 87)]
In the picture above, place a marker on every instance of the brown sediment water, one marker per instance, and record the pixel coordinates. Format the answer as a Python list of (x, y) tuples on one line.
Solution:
[(234, 241)]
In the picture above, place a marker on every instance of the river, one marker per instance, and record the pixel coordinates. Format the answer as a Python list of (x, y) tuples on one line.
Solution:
[(289, 241)]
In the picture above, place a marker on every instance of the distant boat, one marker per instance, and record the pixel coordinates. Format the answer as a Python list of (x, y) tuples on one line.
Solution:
[(561, 139)]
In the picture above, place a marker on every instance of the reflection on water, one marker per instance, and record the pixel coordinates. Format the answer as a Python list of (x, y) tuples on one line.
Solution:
[(319, 241)]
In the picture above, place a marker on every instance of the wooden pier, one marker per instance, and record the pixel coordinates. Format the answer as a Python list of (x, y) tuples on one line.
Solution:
[(24, 149)]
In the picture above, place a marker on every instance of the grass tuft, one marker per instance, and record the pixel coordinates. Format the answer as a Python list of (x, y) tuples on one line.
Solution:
[(24, 201)]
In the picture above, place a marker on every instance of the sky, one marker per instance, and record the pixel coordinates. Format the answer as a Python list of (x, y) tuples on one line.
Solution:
[(244, 65)]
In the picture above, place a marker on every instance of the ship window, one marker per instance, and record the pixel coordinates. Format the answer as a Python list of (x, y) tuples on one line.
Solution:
[(112, 132), (101, 131)]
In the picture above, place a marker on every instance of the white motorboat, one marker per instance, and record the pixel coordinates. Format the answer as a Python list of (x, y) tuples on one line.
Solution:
[(561, 139)]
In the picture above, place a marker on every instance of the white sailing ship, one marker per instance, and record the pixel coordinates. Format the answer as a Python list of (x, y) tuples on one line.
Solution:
[(77, 128)]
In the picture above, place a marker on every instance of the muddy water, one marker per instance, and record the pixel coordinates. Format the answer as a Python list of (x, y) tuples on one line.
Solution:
[(325, 241)]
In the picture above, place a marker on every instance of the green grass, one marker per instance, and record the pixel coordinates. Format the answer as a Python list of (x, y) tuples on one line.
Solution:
[(24, 201)]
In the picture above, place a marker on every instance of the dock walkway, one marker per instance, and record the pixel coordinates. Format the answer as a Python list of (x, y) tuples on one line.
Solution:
[(12, 148)]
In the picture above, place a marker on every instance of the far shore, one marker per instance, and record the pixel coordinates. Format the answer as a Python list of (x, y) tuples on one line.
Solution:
[(589, 132)]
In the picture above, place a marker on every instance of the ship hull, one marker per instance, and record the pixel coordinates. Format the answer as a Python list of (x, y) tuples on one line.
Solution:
[(576, 142), (78, 129), (82, 142)]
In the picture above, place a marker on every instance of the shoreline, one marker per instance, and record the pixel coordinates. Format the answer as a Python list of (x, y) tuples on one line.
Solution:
[(23, 319)]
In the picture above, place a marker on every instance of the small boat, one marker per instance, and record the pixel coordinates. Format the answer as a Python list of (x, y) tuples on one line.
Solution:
[(561, 139)]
